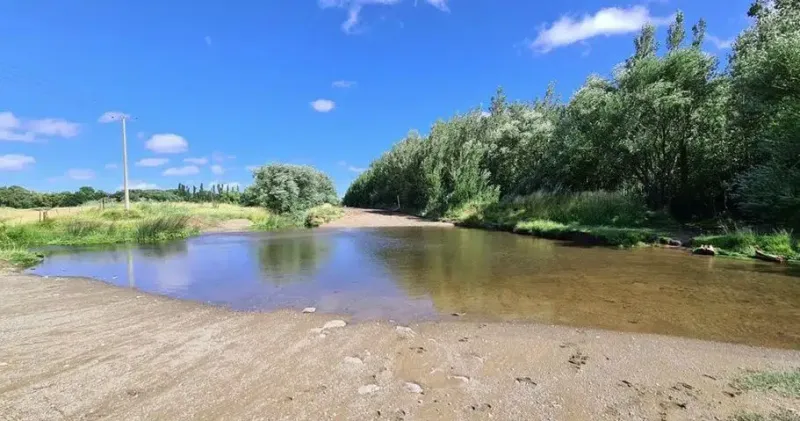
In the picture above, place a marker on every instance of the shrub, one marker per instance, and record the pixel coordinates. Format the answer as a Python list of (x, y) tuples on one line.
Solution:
[(284, 188), (322, 215)]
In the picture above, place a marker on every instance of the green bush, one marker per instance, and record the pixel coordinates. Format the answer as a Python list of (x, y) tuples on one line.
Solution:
[(322, 215), (745, 241), (285, 188)]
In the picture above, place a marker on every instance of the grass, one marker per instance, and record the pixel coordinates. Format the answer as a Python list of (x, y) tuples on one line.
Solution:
[(20, 229), (786, 383), (600, 218), (322, 215), (782, 415), (744, 242)]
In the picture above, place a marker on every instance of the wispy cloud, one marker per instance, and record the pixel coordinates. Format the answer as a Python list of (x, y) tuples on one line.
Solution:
[(196, 161), (140, 185), (351, 168), (323, 105), (344, 84), (111, 166), (606, 22), (217, 169), (721, 44), (13, 162), (80, 174), (14, 129), (167, 143), (187, 170), (219, 157), (355, 7), (151, 162), (111, 116), (252, 168)]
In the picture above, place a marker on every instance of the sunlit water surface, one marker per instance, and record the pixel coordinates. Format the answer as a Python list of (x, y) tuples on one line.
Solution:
[(423, 273)]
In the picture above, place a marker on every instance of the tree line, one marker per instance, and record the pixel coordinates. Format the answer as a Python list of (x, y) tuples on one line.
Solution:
[(22, 198), (669, 125)]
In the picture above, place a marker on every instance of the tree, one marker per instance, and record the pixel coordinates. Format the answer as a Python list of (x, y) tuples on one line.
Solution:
[(285, 188)]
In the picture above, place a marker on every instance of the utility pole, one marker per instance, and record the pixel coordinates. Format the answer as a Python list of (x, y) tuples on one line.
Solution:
[(125, 164)]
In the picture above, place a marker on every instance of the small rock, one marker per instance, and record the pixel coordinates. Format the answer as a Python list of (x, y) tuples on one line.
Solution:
[(457, 314), (353, 360), (334, 324), (705, 250), (463, 379), (3, 364), (368, 389), (675, 243), (322, 336), (413, 387), (526, 380), (309, 310), (405, 332)]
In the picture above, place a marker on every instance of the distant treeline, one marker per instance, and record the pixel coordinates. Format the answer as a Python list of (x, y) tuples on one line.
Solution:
[(672, 128), (19, 197)]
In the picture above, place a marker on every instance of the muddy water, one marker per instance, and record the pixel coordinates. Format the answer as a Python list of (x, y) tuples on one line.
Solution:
[(428, 273)]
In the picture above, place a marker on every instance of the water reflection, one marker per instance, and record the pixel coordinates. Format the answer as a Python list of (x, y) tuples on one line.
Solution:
[(424, 273), (283, 258)]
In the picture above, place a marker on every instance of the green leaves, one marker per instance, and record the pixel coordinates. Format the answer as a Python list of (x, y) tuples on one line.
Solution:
[(284, 188)]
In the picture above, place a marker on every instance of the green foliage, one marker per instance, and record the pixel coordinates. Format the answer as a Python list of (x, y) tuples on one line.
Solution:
[(322, 215), (671, 128), (19, 257), (21, 198), (162, 228), (745, 241), (284, 188), (786, 383)]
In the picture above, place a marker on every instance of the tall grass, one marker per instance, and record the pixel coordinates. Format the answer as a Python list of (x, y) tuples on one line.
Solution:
[(162, 228), (745, 241)]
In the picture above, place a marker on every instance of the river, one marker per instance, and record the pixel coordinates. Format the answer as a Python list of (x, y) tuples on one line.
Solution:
[(428, 273)]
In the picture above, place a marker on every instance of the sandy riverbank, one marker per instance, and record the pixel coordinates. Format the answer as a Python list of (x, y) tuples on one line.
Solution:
[(81, 349)]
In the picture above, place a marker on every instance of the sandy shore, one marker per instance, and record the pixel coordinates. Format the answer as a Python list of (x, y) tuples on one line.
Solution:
[(365, 218), (82, 349)]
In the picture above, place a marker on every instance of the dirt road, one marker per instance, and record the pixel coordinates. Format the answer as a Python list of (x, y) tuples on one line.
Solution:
[(361, 218), (79, 349)]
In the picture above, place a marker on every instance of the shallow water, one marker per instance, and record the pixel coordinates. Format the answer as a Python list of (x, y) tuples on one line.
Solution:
[(422, 273)]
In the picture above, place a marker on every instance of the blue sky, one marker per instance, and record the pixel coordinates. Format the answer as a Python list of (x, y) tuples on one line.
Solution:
[(214, 88)]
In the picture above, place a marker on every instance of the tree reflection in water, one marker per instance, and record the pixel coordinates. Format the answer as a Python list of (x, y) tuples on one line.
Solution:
[(284, 258)]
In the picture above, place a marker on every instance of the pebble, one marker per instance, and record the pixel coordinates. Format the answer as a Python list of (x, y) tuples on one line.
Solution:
[(334, 323), (405, 331), (368, 389), (353, 360), (413, 387), (309, 310), (463, 379)]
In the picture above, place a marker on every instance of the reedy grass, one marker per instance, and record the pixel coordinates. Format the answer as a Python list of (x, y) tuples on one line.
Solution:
[(602, 218), (786, 383), (780, 415), (745, 241)]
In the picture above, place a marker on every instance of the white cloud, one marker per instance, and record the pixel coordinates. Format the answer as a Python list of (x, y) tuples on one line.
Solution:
[(354, 8), (439, 4), (111, 166), (14, 162), (217, 156), (112, 116), (196, 161), (14, 129), (140, 185), (252, 168), (217, 169), (351, 167), (343, 84), (721, 44), (187, 170), (152, 162), (207, 39), (80, 174), (167, 143), (606, 22), (323, 105)]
